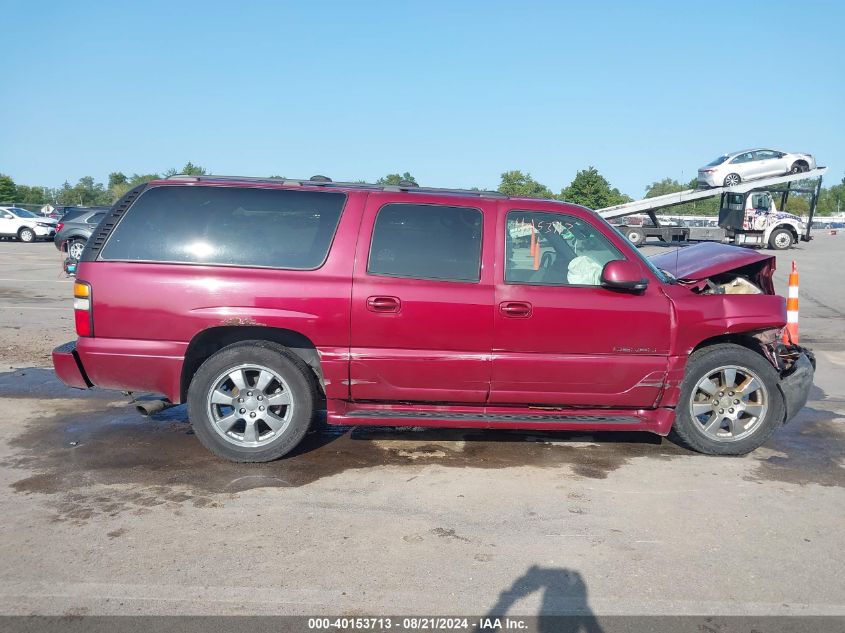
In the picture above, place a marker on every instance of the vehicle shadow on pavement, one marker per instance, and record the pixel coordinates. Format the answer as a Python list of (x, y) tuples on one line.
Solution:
[(563, 608)]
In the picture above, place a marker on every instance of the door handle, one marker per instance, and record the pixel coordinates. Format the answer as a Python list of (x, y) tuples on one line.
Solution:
[(515, 309), (383, 304)]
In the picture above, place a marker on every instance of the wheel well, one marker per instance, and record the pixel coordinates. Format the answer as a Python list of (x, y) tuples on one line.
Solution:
[(745, 340), (801, 162), (789, 228), (209, 341)]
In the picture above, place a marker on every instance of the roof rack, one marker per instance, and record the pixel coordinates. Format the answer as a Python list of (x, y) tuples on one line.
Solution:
[(323, 181)]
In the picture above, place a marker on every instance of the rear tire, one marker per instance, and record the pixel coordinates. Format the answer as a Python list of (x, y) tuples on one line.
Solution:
[(26, 235), (781, 239), (252, 428), (75, 248), (740, 431), (731, 180), (635, 236)]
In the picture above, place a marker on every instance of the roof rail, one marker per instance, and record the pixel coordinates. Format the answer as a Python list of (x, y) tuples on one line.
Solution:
[(324, 181)]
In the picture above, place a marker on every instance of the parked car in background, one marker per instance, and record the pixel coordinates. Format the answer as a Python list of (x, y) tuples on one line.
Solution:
[(24, 225), (254, 301), (751, 164), (75, 227)]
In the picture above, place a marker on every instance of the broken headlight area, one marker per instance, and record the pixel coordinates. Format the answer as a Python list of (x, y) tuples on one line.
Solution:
[(729, 285)]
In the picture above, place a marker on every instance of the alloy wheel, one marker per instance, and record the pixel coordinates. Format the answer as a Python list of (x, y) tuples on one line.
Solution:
[(729, 403), (250, 405), (75, 249)]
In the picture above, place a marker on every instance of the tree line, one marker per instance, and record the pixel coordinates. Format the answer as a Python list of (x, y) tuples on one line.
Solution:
[(589, 188)]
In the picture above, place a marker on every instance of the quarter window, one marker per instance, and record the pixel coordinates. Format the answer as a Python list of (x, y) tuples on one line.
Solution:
[(552, 249), (422, 241), (230, 226)]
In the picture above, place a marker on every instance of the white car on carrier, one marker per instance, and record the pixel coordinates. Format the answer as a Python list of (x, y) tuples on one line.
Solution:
[(751, 164)]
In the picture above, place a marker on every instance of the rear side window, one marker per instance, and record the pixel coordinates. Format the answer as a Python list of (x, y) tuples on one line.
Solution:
[(95, 219), (423, 241), (229, 226)]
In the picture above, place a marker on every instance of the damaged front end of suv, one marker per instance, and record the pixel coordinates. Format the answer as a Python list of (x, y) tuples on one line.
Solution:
[(727, 293)]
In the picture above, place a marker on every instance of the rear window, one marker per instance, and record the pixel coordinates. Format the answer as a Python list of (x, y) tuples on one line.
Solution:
[(228, 226), (717, 161)]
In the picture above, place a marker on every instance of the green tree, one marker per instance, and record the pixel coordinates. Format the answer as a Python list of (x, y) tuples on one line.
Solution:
[(515, 183), (86, 192), (32, 195), (590, 189), (189, 170), (396, 179), (8, 190), (662, 187), (117, 178)]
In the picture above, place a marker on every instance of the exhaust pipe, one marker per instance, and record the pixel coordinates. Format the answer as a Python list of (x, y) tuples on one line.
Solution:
[(151, 407)]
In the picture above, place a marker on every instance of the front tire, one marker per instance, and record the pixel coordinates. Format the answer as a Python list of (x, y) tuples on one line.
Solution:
[(251, 401), (781, 239), (730, 402), (26, 235)]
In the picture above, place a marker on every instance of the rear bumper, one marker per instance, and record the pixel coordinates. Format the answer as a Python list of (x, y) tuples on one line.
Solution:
[(796, 385), (69, 368)]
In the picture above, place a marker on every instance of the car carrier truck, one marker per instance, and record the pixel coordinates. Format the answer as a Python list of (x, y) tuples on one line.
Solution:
[(749, 213)]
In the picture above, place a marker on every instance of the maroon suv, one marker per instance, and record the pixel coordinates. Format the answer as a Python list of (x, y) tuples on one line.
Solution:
[(255, 300)]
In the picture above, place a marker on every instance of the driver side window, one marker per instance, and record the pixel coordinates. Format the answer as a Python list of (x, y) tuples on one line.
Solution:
[(553, 249)]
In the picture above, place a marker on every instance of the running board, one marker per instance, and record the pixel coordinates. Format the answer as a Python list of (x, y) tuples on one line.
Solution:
[(462, 416)]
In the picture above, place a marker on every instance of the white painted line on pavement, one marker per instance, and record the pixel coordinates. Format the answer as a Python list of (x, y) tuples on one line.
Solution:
[(38, 281), (33, 308)]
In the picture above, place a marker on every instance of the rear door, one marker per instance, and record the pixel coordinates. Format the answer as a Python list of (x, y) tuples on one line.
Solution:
[(744, 165), (422, 300), (559, 337)]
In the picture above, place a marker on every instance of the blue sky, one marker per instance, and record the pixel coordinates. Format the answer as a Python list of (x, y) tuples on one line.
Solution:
[(454, 92)]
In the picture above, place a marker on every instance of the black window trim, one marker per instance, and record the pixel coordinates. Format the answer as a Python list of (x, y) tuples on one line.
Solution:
[(100, 257), (419, 278), (541, 284)]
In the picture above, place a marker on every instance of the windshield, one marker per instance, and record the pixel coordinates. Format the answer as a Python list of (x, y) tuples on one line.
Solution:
[(23, 213), (718, 161)]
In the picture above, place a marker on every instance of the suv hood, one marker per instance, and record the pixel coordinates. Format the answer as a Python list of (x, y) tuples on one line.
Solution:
[(710, 259)]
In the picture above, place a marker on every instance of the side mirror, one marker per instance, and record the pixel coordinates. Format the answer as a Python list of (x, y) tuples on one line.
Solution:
[(621, 274)]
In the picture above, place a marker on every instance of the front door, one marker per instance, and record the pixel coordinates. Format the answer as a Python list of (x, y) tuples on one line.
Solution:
[(422, 300), (559, 337)]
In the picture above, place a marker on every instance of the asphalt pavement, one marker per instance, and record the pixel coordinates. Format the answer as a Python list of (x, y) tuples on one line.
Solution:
[(105, 512)]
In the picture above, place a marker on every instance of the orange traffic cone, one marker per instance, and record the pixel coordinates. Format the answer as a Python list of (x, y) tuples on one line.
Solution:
[(790, 334)]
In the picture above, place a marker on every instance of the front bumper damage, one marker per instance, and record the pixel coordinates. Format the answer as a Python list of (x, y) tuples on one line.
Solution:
[(796, 378)]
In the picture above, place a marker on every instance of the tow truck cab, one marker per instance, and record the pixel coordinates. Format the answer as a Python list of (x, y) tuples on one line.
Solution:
[(753, 219)]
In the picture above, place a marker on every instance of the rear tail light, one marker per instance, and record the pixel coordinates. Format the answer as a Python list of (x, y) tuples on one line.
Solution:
[(82, 313), (707, 171), (60, 226)]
